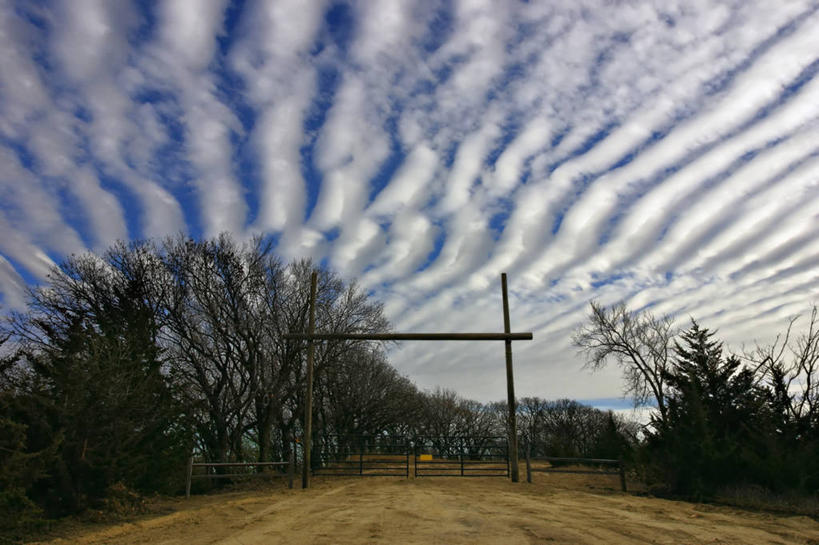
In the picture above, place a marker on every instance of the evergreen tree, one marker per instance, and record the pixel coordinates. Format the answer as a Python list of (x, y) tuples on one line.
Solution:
[(611, 442), (710, 435), (91, 373)]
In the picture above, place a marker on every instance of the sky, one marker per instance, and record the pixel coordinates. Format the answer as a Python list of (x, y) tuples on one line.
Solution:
[(664, 154)]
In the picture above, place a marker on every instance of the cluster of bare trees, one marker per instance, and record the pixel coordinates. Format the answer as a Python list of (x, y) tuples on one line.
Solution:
[(224, 318), (642, 346), (720, 420), (566, 428), (450, 423), (126, 362), (790, 366)]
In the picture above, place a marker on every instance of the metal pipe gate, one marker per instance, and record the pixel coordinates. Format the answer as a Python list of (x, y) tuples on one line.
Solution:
[(462, 457)]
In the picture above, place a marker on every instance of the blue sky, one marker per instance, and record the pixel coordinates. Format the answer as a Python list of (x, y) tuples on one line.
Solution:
[(664, 154)]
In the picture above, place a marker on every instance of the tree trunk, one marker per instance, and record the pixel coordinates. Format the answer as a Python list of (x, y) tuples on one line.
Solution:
[(264, 425)]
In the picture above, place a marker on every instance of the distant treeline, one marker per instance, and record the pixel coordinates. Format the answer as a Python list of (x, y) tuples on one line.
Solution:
[(126, 363)]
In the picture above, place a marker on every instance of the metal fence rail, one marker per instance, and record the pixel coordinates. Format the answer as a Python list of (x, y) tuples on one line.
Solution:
[(619, 468), (208, 475), (365, 466), (461, 467), (361, 456), (461, 456)]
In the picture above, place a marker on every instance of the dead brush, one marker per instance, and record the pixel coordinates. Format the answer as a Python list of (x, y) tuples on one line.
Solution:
[(760, 498)]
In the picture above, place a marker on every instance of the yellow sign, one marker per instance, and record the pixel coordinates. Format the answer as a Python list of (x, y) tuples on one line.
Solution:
[(425, 457)]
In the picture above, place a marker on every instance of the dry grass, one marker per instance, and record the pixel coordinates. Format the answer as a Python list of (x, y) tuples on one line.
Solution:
[(761, 499)]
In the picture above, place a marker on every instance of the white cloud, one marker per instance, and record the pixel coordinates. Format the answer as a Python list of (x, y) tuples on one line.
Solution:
[(272, 57), (188, 31), (409, 240), (105, 213), (469, 161), (12, 286), (34, 207), (185, 48), (17, 246), (278, 141), (352, 145), (509, 166), (23, 91), (407, 187)]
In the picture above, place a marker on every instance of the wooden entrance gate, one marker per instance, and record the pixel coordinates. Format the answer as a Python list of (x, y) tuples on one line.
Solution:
[(507, 337)]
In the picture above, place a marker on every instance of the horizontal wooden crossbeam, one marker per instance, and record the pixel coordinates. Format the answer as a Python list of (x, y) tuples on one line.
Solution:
[(527, 336)]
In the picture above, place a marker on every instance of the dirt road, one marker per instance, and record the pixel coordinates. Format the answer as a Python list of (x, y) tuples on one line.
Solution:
[(449, 511)]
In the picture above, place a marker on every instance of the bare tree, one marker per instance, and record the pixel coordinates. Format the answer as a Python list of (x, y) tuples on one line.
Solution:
[(364, 395), (790, 366), (212, 321), (638, 343), (530, 421), (7, 356), (340, 308), (452, 424)]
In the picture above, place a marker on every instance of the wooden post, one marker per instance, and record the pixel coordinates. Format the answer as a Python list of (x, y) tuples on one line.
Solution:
[(190, 477), (622, 476), (308, 402), (290, 470), (462, 465), (527, 336), (510, 387), (528, 462)]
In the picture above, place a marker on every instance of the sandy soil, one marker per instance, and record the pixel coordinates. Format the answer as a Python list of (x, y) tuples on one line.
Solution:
[(449, 511)]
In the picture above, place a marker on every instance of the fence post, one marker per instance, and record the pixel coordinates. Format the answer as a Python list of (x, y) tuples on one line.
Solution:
[(190, 476), (510, 389), (307, 444), (528, 466), (462, 465), (622, 476), (290, 470)]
